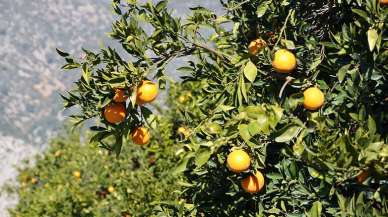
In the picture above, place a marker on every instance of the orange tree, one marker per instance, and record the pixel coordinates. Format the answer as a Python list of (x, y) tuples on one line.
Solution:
[(74, 179), (297, 88)]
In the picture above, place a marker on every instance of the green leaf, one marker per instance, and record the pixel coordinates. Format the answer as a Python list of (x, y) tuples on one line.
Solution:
[(254, 112), (373, 35), (118, 145), (71, 66), (316, 209), (275, 115), (161, 6), (244, 132), (262, 9), (202, 156), (182, 165), (254, 128), (317, 61), (62, 53), (250, 71), (371, 125), (362, 14), (289, 44), (288, 134), (86, 73), (263, 122), (117, 82), (342, 72), (243, 89), (298, 147), (384, 151), (313, 172)]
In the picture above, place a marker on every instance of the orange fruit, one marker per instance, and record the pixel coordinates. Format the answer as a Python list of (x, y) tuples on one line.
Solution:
[(146, 92), (111, 189), (256, 46), (120, 95), (362, 176), (115, 113), (384, 2), (140, 136), (313, 98), (77, 174), (238, 161), (57, 153), (182, 99), (284, 61), (253, 183), (34, 181)]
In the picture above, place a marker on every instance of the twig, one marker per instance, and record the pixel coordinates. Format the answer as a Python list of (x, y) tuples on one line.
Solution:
[(219, 54), (284, 27), (288, 80), (238, 5)]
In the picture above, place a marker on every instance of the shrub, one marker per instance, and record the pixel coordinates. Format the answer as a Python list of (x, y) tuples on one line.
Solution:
[(73, 179)]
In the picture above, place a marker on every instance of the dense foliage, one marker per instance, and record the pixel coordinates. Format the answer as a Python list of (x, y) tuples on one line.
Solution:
[(73, 179), (326, 161)]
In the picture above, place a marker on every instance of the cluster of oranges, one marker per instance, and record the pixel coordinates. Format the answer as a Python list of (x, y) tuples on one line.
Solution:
[(285, 61), (115, 112), (239, 161)]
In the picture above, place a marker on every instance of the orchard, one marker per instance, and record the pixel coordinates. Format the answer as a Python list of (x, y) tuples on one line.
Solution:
[(281, 108)]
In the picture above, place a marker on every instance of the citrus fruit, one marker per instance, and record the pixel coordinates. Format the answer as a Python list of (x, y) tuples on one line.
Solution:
[(111, 189), (120, 95), (313, 98), (34, 181), (384, 2), (284, 61), (77, 174), (146, 92), (115, 113), (238, 161), (182, 99), (256, 46), (57, 153), (140, 136), (253, 183), (362, 176)]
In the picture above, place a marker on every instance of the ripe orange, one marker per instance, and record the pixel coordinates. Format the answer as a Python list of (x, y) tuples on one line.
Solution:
[(34, 181), (238, 161), (182, 99), (77, 174), (111, 189), (313, 98), (253, 183), (256, 46), (115, 113), (362, 176), (146, 92), (120, 95), (140, 136), (384, 2), (284, 61), (57, 153)]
